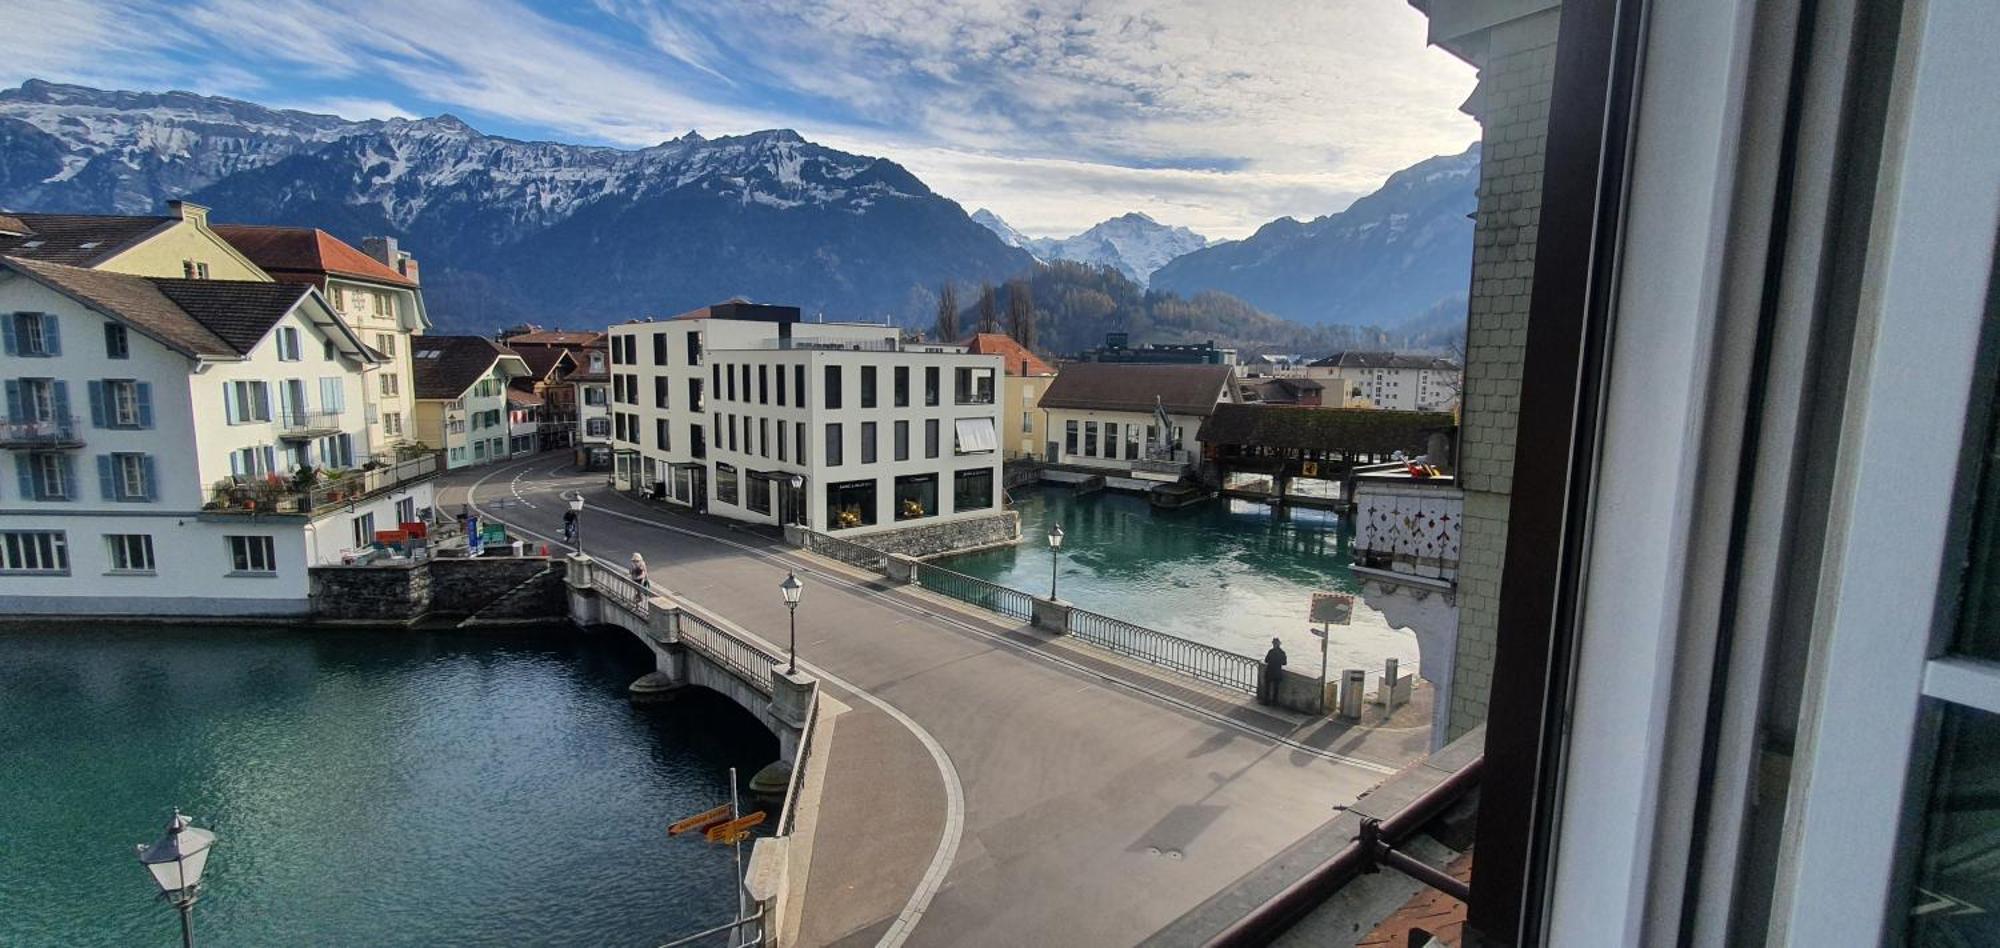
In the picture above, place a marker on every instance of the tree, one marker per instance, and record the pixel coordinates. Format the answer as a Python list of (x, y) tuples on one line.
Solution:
[(947, 313), (1021, 312), (989, 308)]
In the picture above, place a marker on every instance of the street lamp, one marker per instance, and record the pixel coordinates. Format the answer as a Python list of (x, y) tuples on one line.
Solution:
[(792, 588), (176, 861), (1055, 556), (576, 508), (798, 499)]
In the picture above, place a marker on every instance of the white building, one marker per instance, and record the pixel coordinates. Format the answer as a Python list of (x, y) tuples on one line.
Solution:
[(592, 397), (181, 446), (1385, 380), (1109, 415), (461, 388), (745, 412)]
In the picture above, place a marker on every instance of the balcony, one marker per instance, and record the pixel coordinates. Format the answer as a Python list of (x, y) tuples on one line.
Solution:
[(307, 425), (1406, 529), (322, 492), (46, 434)]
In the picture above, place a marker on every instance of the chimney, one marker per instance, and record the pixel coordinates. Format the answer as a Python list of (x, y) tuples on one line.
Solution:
[(385, 252), (188, 211)]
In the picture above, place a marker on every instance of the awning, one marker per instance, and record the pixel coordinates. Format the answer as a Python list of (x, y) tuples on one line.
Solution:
[(688, 465), (976, 435), (782, 477)]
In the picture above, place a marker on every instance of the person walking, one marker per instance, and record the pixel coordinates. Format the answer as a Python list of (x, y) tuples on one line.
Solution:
[(569, 527), (1274, 668), (639, 572)]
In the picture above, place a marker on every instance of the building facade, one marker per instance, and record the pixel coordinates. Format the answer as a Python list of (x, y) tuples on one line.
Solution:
[(461, 398), (1385, 380), (1024, 427), (182, 446), (1137, 421), (742, 411)]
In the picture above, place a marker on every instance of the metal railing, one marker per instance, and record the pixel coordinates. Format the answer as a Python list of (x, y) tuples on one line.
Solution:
[(41, 432), (747, 660), (846, 551), (299, 421), (789, 816), (992, 597), (1204, 662), (621, 589)]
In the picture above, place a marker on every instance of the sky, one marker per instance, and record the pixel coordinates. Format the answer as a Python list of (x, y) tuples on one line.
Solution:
[(1219, 115)]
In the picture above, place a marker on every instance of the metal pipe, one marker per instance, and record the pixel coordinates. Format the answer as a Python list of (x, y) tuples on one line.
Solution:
[(717, 930), (1275, 916)]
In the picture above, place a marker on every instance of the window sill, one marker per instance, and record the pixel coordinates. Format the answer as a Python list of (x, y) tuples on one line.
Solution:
[(34, 572), (251, 574), (131, 572)]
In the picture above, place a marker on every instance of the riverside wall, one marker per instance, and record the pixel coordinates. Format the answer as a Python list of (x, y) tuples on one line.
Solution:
[(483, 589)]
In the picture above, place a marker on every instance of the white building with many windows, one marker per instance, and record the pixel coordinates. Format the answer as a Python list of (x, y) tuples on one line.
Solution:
[(743, 411), (181, 446), (1385, 380), (461, 397), (1136, 419)]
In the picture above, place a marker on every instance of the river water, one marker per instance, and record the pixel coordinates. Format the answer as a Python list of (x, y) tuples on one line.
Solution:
[(1228, 573), (367, 788)]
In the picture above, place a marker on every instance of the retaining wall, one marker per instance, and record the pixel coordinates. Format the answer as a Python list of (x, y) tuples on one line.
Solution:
[(510, 588), (933, 539)]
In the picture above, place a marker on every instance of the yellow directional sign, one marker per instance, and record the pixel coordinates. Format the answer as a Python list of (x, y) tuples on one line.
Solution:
[(700, 821), (735, 829)]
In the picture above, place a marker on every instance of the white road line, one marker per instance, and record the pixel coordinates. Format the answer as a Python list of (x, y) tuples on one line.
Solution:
[(954, 790)]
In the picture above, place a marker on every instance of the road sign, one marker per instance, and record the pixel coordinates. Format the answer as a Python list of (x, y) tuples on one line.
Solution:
[(700, 821), (1333, 608), (734, 830)]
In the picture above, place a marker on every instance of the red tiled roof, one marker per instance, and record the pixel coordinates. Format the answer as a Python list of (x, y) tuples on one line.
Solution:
[(306, 250), (1018, 358)]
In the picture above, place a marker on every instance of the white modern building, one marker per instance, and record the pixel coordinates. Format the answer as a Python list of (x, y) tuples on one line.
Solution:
[(1134, 419), (1384, 380), (461, 389), (182, 446), (741, 410)]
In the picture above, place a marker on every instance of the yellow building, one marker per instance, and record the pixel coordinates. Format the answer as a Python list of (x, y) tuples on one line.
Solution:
[(176, 244), (1024, 427)]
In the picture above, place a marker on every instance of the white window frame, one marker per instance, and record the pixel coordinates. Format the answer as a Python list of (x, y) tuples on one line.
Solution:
[(130, 470), (252, 555), (130, 554), (124, 398), (288, 344), (15, 552)]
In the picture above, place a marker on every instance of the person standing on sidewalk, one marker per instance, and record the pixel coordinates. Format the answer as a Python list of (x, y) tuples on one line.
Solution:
[(1274, 668)]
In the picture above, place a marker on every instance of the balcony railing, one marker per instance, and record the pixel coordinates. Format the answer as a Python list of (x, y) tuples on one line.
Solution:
[(1407, 525), (289, 494), (42, 434), (308, 424)]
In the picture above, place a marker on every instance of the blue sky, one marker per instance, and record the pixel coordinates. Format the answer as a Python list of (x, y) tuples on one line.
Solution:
[(1212, 114)]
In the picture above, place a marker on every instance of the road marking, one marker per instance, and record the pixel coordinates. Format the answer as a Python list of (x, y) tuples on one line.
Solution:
[(954, 790)]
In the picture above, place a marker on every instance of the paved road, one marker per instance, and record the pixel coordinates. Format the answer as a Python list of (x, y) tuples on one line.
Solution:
[(988, 787)]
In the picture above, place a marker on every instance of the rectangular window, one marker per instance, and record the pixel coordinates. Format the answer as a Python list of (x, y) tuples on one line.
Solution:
[(902, 437), (902, 386), (972, 490), (35, 551), (931, 385), (392, 424), (694, 347), (364, 531), (391, 385), (745, 371), (833, 454), (781, 385), (288, 344), (830, 398), (1090, 438), (798, 442), (1069, 436), (32, 334), (725, 484), (659, 348), (867, 442), (593, 395), (1027, 422), (695, 402), (597, 427), (974, 436), (125, 476), (660, 387), (117, 345), (930, 437), (660, 434), (799, 385), (697, 442), (764, 437), (47, 476), (731, 385), (130, 552), (246, 402), (850, 504), (732, 432), (868, 386), (1111, 440), (764, 384), (1131, 442), (759, 495), (973, 386), (916, 496), (781, 438), (252, 555), (385, 343)]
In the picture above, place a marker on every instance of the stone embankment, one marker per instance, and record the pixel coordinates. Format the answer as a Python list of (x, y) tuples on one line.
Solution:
[(470, 591)]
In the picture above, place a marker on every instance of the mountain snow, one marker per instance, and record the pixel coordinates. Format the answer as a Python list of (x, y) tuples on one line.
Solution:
[(1133, 244)]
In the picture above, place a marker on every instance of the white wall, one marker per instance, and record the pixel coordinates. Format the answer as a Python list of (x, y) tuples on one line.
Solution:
[(1058, 431)]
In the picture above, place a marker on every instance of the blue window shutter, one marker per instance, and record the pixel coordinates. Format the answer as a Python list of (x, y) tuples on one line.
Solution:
[(145, 397), (96, 404), (107, 479), (69, 477), (236, 463), (24, 469), (62, 401), (51, 338), (17, 412), (347, 450), (150, 472), (270, 459), (228, 403), (7, 322)]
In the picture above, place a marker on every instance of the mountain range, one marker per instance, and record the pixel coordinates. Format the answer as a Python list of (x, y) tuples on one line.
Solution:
[(514, 231), (1133, 244)]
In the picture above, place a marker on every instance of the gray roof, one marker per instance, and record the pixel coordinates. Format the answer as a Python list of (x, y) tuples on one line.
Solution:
[(136, 301), (80, 240), (239, 311), (1128, 386), (458, 362), (1385, 360)]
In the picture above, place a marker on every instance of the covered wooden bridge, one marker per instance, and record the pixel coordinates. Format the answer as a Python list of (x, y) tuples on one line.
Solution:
[(1286, 442)]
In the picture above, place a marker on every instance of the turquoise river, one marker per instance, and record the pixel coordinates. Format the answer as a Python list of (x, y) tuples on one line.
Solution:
[(366, 788)]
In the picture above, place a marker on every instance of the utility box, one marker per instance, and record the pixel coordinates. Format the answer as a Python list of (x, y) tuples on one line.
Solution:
[(1352, 681)]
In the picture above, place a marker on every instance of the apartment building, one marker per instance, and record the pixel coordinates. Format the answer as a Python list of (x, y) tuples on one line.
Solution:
[(1024, 427), (461, 397), (548, 379), (743, 411), (1385, 380), (181, 446), (378, 297), (179, 243), (1137, 420)]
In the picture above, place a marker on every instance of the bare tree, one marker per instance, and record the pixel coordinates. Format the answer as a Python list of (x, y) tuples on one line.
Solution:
[(989, 308), (947, 313), (1021, 312)]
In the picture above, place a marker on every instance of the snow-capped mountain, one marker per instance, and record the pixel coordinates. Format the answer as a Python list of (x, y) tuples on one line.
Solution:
[(511, 230), (1132, 244), (1401, 253)]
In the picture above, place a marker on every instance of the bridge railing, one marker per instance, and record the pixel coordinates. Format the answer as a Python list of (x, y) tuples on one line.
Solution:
[(846, 551), (621, 589), (788, 818), (992, 597), (1191, 658), (749, 661)]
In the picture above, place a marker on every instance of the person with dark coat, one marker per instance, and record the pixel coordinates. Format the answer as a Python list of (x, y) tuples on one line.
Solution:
[(1274, 668)]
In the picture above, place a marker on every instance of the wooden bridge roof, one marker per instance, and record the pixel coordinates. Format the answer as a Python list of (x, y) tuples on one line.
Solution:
[(1322, 429)]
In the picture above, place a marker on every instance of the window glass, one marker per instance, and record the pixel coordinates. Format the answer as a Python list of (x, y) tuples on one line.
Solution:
[(916, 496), (850, 504), (832, 393), (931, 385), (759, 499), (902, 386), (902, 441), (868, 386), (725, 484), (1979, 607), (833, 445), (972, 490), (1957, 891), (867, 442)]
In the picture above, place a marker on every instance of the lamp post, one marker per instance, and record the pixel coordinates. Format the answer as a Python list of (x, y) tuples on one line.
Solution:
[(176, 861), (791, 588), (576, 507), (1055, 557), (798, 499)]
